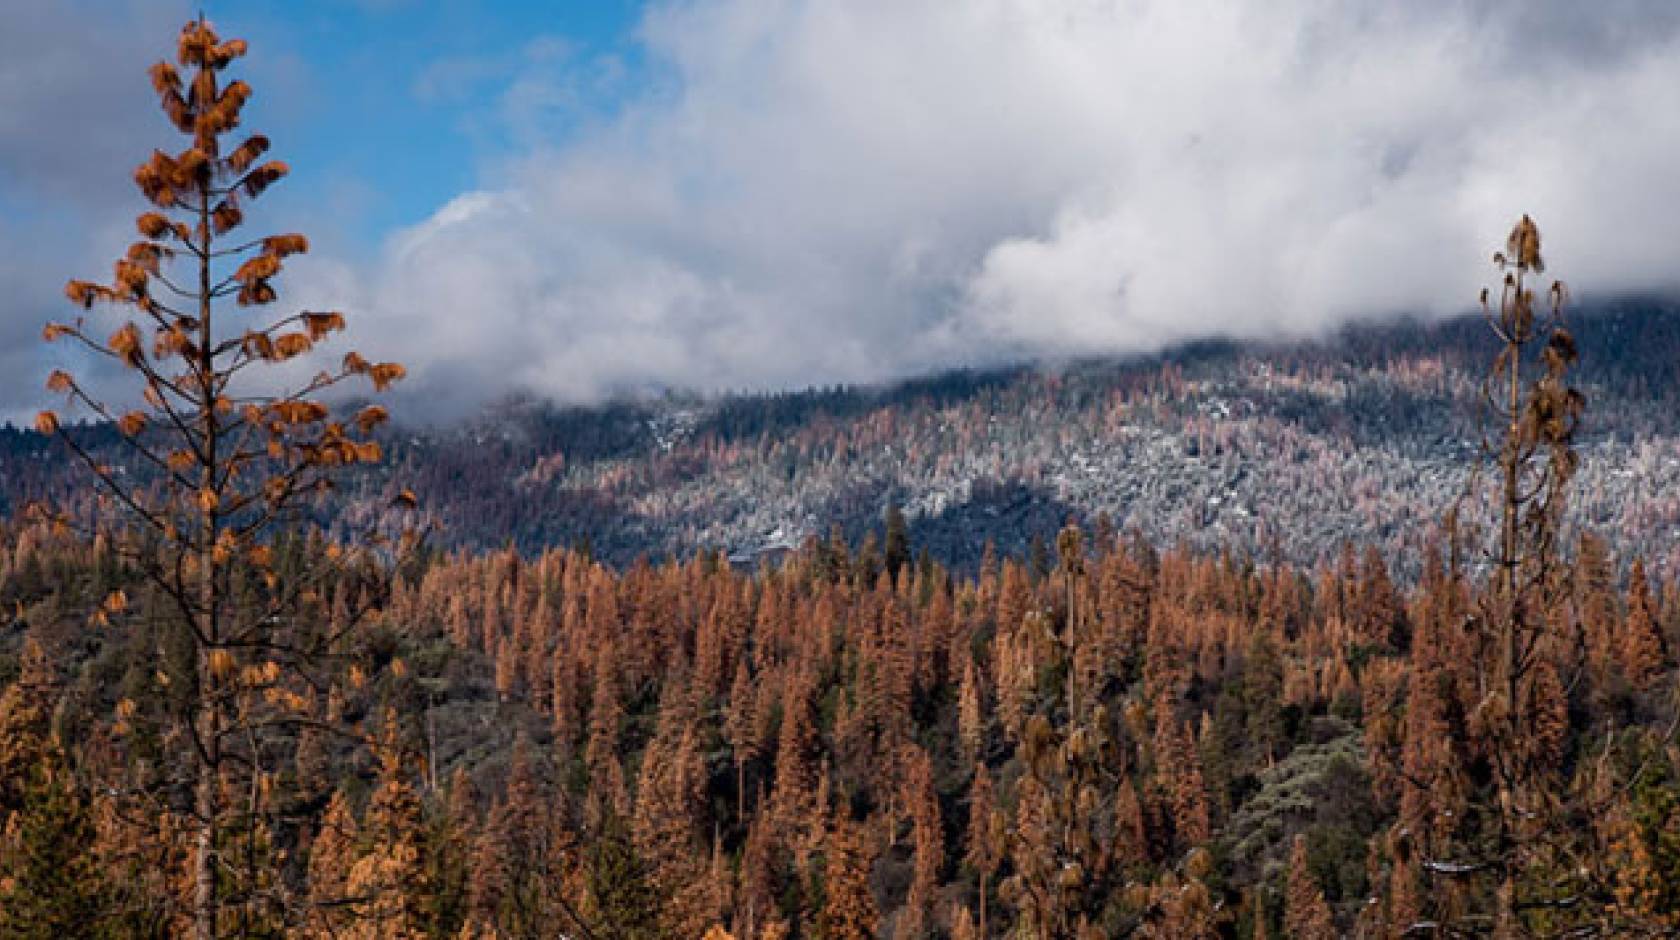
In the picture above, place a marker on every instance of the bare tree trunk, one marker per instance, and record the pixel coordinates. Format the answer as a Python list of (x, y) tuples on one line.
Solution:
[(1509, 607), (204, 871), (207, 801)]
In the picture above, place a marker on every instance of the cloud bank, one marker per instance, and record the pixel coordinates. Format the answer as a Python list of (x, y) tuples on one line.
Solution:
[(72, 106), (803, 192), (817, 192)]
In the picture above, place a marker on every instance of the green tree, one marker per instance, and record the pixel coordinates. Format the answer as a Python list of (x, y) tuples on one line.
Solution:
[(51, 884), (897, 542), (623, 902)]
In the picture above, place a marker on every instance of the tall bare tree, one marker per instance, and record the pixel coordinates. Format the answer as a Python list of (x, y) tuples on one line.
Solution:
[(215, 456), (1507, 862)]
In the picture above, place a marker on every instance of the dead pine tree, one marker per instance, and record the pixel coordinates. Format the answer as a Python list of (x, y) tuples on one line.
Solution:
[(212, 462), (1506, 861)]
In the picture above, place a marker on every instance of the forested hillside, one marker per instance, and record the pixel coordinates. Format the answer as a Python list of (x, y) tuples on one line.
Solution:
[(848, 740), (1287, 449), (1374, 636)]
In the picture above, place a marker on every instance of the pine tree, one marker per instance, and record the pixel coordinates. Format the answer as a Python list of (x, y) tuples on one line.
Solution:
[(51, 884), (1306, 916), (666, 824), (1525, 827), (1404, 904), (986, 836), (331, 854), (971, 720), (624, 904), (218, 460), (1641, 646), (741, 726), (524, 857), (388, 882), (849, 911), (897, 543), (929, 842), (606, 718), (794, 790), (25, 708), (1179, 905), (756, 905), (448, 856), (1179, 771)]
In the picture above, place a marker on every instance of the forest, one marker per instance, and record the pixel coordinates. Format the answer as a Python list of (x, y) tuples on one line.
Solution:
[(250, 686), (848, 744)]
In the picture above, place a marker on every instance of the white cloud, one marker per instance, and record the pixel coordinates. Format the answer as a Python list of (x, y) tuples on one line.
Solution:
[(820, 191), (805, 191), (73, 101)]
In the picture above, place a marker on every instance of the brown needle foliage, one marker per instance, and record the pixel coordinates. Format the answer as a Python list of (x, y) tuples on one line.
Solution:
[(213, 461), (1508, 805)]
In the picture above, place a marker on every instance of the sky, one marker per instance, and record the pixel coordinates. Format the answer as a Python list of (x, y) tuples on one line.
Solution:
[(586, 198)]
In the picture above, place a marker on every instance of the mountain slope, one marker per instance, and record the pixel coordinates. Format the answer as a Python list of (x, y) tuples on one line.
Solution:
[(1291, 449)]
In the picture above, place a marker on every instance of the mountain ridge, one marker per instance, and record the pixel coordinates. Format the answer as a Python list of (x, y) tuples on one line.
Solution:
[(1286, 448)]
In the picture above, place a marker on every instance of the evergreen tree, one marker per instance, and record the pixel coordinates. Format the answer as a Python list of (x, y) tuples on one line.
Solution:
[(928, 837), (448, 857), (1306, 916), (387, 883), (25, 710), (896, 547), (51, 884), (624, 904), (849, 911), (986, 837)]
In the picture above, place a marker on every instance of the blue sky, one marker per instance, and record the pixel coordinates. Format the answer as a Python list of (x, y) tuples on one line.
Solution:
[(588, 198), (395, 106)]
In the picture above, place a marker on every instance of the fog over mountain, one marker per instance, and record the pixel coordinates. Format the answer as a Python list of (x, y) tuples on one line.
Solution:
[(803, 192), (824, 192)]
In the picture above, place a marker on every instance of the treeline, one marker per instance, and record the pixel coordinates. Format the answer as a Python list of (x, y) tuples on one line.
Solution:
[(852, 744)]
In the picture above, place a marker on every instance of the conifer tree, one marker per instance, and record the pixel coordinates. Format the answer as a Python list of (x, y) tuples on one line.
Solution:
[(741, 726), (25, 708), (896, 547), (1179, 905), (387, 883), (1065, 807), (51, 885), (928, 841), (1507, 849), (624, 903), (212, 461), (1641, 646), (986, 837), (524, 858), (1306, 916), (794, 792), (665, 828), (971, 721), (1403, 902), (849, 911), (332, 852), (448, 856), (756, 906)]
